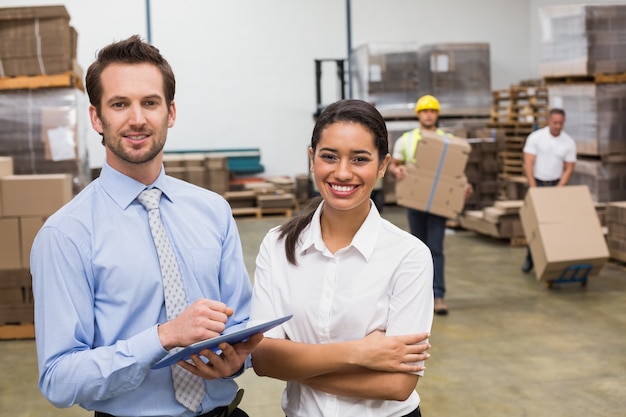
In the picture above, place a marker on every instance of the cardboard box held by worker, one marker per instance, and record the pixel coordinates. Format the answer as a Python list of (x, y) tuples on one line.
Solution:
[(436, 181), (563, 230)]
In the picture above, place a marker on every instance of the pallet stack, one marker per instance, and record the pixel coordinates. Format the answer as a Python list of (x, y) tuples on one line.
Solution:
[(616, 226), (515, 113), (42, 105), (589, 82), (259, 197), (523, 103)]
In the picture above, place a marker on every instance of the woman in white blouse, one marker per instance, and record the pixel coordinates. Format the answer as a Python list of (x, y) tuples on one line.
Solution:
[(359, 288)]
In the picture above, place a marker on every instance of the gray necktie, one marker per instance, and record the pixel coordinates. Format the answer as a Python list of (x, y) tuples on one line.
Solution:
[(189, 387)]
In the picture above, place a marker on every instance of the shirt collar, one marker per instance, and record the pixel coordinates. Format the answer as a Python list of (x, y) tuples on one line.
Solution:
[(364, 240), (124, 189)]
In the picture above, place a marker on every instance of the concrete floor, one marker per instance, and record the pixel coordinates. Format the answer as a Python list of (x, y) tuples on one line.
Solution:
[(509, 347)]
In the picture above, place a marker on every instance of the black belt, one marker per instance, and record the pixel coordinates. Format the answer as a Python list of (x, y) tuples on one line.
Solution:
[(550, 183), (219, 411), (415, 413)]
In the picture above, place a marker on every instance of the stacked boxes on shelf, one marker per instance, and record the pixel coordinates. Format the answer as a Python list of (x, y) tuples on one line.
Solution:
[(616, 225), (584, 67), (594, 116), (386, 75), (42, 129), (36, 41), (583, 39), (459, 75), (25, 203), (259, 196), (482, 171), (202, 169)]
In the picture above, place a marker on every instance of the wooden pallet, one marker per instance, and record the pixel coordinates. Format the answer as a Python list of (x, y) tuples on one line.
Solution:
[(17, 331), (594, 78), (24, 82), (513, 128), (259, 212)]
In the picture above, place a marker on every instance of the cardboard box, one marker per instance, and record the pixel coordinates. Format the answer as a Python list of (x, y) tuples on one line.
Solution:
[(6, 166), (194, 175), (216, 162), (36, 40), (29, 227), (474, 220), (34, 195), (11, 278), (442, 196), (10, 244), (562, 230), (442, 154), (436, 181), (286, 200), (241, 199)]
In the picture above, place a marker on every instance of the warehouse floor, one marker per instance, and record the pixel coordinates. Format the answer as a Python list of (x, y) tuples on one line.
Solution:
[(509, 347)]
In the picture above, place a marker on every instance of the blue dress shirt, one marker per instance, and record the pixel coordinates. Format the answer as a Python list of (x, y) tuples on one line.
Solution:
[(99, 296)]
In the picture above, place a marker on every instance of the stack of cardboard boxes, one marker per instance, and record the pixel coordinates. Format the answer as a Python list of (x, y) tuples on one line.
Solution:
[(459, 75), (42, 129), (616, 226), (584, 66), (272, 195), (482, 171), (36, 41), (500, 221), (436, 181), (386, 74), (25, 203), (202, 169), (563, 232)]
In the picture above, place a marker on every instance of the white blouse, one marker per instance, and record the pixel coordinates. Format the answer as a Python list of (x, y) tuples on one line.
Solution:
[(381, 281)]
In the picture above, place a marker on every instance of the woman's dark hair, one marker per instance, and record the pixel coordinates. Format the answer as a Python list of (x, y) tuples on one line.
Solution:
[(350, 111), (129, 51)]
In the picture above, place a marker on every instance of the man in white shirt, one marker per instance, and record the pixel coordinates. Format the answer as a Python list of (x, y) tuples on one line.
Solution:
[(549, 158)]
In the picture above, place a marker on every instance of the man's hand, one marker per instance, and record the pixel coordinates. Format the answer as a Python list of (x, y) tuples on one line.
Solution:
[(204, 319), (469, 190), (226, 364), (400, 172)]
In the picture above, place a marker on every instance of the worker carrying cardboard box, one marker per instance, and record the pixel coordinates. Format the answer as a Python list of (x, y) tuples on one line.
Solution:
[(549, 159), (425, 223)]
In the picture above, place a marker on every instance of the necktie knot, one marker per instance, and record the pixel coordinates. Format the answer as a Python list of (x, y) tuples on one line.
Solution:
[(150, 198)]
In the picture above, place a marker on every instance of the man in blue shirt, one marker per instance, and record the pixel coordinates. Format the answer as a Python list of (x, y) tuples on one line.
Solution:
[(100, 314)]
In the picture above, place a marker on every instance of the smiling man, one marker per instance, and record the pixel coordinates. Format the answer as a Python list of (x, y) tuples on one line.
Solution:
[(137, 264)]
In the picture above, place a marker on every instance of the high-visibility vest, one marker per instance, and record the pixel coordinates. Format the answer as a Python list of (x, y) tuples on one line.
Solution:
[(415, 136)]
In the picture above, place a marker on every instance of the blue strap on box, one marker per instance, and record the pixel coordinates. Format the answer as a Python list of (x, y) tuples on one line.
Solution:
[(439, 168)]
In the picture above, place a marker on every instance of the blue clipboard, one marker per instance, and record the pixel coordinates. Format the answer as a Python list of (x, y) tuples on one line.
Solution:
[(231, 338)]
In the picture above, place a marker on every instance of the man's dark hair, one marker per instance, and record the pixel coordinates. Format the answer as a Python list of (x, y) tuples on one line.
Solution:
[(556, 111), (129, 51)]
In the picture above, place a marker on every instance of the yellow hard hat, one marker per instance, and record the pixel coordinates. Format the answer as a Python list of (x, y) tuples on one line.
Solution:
[(427, 102)]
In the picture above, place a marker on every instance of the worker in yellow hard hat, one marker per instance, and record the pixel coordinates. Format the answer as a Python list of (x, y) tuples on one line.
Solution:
[(428, 227)]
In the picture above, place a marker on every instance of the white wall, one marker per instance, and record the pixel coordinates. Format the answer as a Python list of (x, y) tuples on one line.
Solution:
[(245, 71)]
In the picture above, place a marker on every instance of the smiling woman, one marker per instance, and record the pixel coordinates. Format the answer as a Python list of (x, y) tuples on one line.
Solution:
[(359, 288)]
